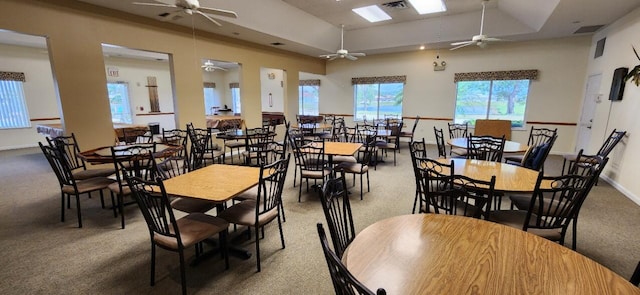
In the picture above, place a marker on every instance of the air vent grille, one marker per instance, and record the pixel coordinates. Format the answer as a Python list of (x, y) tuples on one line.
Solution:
[(588, 29), (277, 44), (396, 4)]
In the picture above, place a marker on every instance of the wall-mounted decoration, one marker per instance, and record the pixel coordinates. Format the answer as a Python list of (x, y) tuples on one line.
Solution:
[(154, 102), (634, 75), (439, 65)]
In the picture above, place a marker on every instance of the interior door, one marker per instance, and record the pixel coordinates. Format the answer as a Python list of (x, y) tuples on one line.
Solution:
[(588, 111)]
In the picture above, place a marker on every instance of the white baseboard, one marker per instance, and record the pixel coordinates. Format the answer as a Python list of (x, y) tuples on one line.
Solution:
[(16, 147), (621, 189)]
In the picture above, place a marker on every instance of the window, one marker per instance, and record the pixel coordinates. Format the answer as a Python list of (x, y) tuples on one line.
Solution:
[(211, 98), (13, 107), (119, 101), (377, 97), (492, 95), (308, 99), (235, 97)]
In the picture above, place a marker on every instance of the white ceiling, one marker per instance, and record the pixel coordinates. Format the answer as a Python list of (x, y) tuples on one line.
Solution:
[(312, 27)]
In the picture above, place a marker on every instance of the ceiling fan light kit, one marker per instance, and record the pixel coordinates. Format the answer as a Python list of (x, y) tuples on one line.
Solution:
[(481, 40), (192, 7), (343, 53)]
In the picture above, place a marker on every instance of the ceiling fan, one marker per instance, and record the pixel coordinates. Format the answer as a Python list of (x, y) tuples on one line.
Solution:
[(192, 6), (481, 40), (209, 66), (342, 53)]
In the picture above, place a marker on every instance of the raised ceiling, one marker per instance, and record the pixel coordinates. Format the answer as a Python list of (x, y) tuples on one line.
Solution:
[(312, 27)]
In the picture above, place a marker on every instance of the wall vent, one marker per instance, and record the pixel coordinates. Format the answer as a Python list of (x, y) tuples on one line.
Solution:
[(600, 48)]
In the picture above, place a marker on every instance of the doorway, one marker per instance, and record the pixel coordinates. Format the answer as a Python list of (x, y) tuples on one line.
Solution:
[(591, 98)]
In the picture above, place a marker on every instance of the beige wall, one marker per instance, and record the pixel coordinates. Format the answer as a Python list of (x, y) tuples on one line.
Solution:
[(76, 32), (622, 168), (553, 98)]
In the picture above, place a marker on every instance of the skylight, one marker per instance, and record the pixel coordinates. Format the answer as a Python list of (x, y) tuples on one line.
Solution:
[(428, 6), (372, 13)]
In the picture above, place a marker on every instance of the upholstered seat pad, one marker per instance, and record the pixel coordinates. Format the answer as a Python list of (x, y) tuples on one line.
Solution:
[(342, 159), (515, 218), (114, 187), (193, 228), (88, 185), (314, 173), (354, 167), (514, 158), (244, 213), (190, 205), (250, 194), (234, 143), (91, 173), (459, 151)]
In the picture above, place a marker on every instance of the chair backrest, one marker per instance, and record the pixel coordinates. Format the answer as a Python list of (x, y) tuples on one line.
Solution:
[(337, 211), (538, 136), (311, 157), (135, 160), (431, 176), (339, 131), (68, 145), (199, 140), (137, 135), (556, 200), (343, 281), (272, 177), (259, 145), (587, 165), (442, 148), (458, 130), (170, 167), (418, 148), (58, 164), (610, 143), (415, 125), (154, 204), (536, 155), (487, 148)]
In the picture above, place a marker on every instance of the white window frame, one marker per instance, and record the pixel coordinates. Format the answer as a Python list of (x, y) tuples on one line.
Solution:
[(125, 117), (301, 100), (13, 105), (378, 114)]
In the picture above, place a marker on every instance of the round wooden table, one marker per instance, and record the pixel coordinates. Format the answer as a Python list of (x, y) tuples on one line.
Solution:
[(509, 178), (509, 146), (102, 155), (444, 254)]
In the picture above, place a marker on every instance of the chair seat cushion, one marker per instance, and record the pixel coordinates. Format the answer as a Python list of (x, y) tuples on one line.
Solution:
[(317, 174), (250, 194), (521, 202), (114, 187), (190, 205), (89, 185), (514, 158), (244, 213), (193, 228), (459, 151), (234, 143), (354, 167), (342, 159), (91, 173), (516, 218)]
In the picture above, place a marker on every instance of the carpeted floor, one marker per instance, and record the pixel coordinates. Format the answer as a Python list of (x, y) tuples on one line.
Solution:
[(44, 256)]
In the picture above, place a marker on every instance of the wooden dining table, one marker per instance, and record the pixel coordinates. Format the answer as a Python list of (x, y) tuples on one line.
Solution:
[(445, 254), (102, 155), (509, 178), (217, 183), (333, 148), (509, 146)]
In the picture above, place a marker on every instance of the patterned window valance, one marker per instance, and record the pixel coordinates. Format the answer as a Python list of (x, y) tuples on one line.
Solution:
[(314, 82), (12, 76), (209, 85), (234, 85), (497, 75), (376, 80)]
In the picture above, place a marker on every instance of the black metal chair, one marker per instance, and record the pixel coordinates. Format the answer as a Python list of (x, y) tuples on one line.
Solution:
[(69, 186), (311, 163), (71, 151), (554, 204), (458, 131), (337, 211), (361, 167), (133, 159), (343, 281), (607, 146), (266, 208), (635, 278), (487, 148), (417, 149), (411, 134), (170, 233), (442, 148)]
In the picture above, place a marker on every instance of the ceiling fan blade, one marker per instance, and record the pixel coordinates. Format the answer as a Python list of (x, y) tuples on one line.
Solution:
[(208, 17), (488, 39), (350, 57), (155, 4), (357, 54), (221, 12), (333, 57), (463, 45), (328, 55)]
